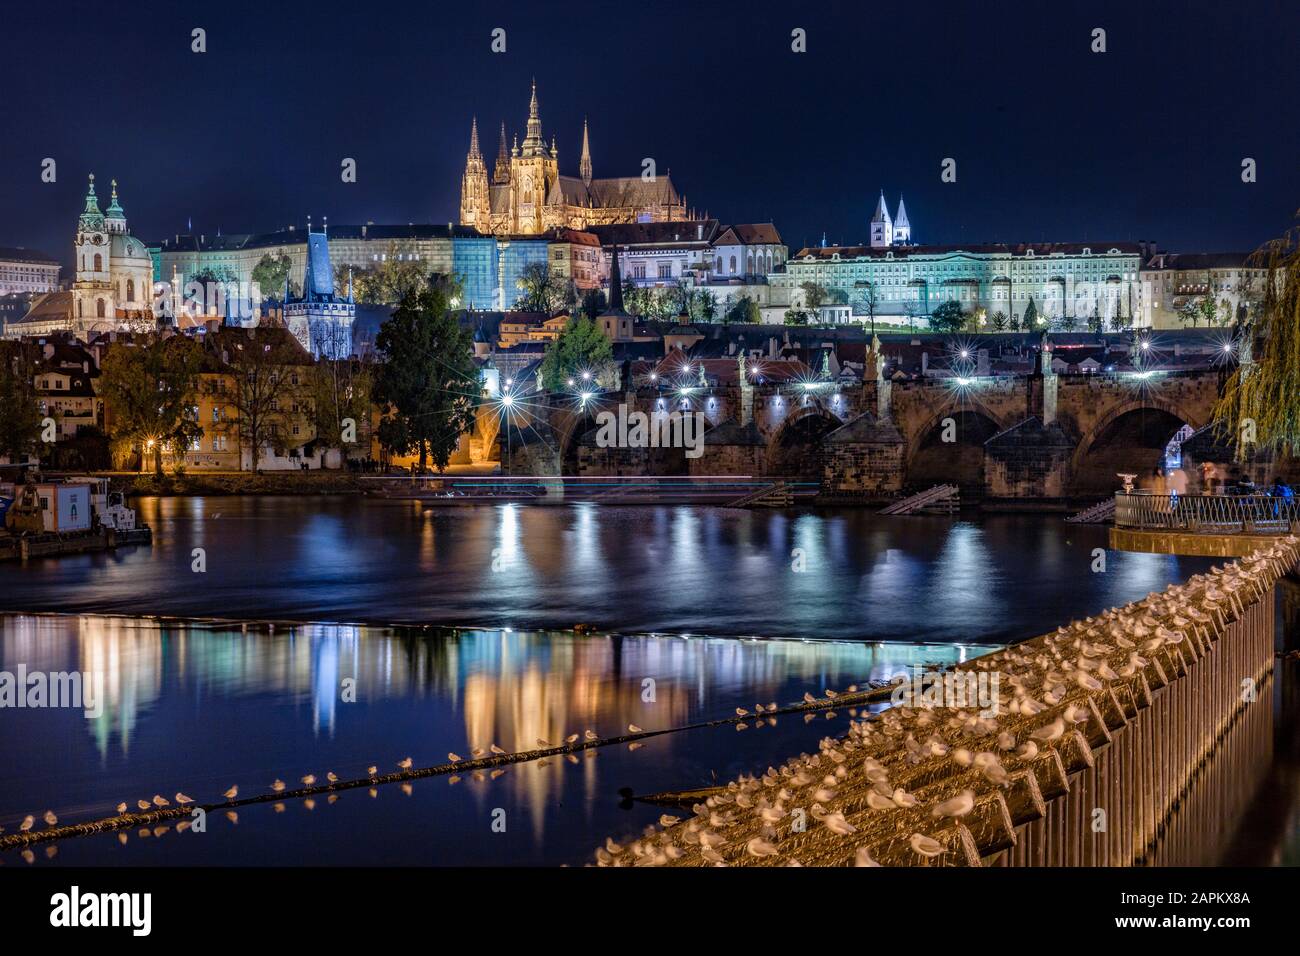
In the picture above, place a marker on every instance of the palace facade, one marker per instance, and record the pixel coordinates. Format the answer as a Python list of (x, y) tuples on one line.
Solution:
[(526, 194)]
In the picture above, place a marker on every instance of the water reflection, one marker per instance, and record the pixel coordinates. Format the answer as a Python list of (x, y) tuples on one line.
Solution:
[(197, 706)]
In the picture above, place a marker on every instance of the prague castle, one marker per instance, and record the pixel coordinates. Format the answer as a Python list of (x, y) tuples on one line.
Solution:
[(526, 194)]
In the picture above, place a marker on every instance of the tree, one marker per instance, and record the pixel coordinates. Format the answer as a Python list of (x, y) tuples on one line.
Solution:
[(269, 274), (263, 363), (427, 385), (814, 294), (581, 347), (539, 291), (593, 303), (744, 310), (947, 317), (149, 388), (868, 298), (384, 282), (999, 321), (796, 317), (1261, 399), (340, 390), (1030, 319), (20, 418)]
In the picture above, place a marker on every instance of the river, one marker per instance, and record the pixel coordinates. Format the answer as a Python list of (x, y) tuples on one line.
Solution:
[(695, 612)]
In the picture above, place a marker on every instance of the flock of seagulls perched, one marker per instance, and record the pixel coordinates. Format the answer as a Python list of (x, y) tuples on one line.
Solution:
[(850, 803)]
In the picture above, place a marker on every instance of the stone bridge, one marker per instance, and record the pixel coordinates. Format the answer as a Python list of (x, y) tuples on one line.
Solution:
[(1002, 437)]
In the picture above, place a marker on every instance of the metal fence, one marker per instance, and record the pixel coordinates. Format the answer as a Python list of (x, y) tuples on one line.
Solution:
[(1210, 514)]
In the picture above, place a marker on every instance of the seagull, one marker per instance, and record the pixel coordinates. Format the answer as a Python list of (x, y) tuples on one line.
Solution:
[(308, 780), (1027, 751), (590, 735), (182, 799), (571, 739), (809, 698), (836, 823), (863, 858), (495, 749), (160, 801), (958, 806), (278, 785), (903, 799), (923, 845), (543, 743), (405, 763), (831, 694), (1049, 732), (634, 729), (741, 712), (453, 757), (331, 777), (232, 792), (760, 847), (372, 770), (27, 823), (143, 804), (121, 808), (50, 818)]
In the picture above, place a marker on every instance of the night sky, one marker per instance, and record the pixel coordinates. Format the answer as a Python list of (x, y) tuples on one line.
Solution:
[(1052, 141)]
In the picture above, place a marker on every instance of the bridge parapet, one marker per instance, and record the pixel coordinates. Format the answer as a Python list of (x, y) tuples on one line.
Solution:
[(1110, 720)]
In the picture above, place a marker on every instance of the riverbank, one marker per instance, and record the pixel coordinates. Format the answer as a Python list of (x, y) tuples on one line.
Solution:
[(221, 484)]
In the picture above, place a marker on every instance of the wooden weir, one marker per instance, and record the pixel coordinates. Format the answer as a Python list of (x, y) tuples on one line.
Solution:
[(1153, 720)]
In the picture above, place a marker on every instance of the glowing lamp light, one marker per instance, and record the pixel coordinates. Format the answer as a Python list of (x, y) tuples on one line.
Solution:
[(509, 382), (965, 353), (1145, 345), (584, 396), (570, 382), (654, 376), (964, 382), (507, 400), (1227, 346), (586, 376)]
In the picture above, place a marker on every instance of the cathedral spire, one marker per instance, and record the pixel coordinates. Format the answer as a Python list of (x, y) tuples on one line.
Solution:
[(534, 145), (501, 173), (474, 153), (584, 165)]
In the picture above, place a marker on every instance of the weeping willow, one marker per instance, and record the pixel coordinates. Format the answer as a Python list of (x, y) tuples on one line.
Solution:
[(1260, 405)]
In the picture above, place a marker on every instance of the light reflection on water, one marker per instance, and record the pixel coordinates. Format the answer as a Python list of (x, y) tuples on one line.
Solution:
[(197, 707), (835, 574)]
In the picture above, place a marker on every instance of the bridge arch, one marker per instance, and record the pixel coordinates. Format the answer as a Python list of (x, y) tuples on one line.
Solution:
[(932, 460), (1131, 437), (799, 437)]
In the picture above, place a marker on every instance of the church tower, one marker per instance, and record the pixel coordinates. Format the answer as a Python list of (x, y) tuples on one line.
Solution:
[(532, 173), (475, 208), (584, 165), (882, 227), (902, 228), (501, 172), (92, 292)]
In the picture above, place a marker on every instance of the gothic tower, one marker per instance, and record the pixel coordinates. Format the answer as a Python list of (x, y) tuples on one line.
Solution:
[(532, 173), (501, 172), (584, 165), (475, 208), (902, 228), (882, 227)]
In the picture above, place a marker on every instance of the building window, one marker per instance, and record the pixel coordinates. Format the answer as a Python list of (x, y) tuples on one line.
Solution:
[(99, 262)]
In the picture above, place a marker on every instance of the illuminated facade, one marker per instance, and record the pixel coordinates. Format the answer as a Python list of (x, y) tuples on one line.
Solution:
[(526, 194)]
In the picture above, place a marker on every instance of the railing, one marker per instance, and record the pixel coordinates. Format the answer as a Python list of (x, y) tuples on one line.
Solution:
[(1207, 514)]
